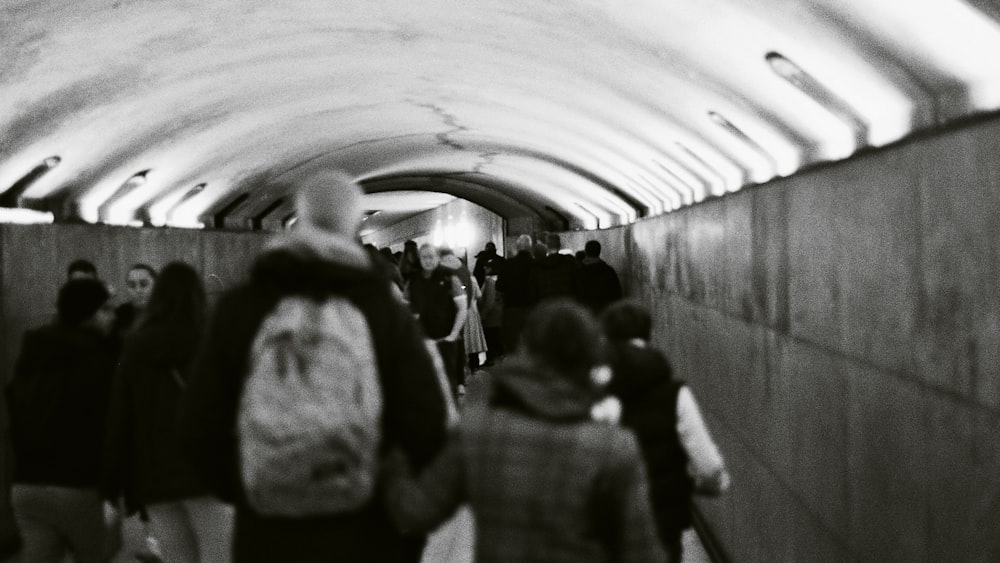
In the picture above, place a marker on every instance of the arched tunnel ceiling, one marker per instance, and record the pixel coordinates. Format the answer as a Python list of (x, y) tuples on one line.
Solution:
[(186, 112)]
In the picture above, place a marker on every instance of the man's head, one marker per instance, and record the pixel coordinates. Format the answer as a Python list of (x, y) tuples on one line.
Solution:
[(430, 257), (81, 269), (330, 202), (491, 248), (592, 249), (523, 244), (85, 302)]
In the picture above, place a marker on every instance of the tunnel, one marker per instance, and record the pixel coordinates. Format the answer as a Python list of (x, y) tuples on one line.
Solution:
[(805, 193)]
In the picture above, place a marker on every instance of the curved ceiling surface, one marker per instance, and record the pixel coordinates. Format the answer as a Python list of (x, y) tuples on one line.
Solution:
[(185, 112)]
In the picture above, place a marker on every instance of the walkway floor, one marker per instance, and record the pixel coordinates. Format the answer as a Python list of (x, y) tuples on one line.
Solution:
[(452, 543)]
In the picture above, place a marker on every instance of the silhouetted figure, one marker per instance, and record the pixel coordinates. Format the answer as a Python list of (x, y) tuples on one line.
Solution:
[(596, 284), (58, 402), (489, 252), (514, 282), (554, 273)]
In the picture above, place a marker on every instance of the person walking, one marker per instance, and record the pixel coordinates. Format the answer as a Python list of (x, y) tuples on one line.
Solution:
[(308, 369), (596, 284), (144, 464), (543, 480), (440, 303), (514, 282), (681, 458), (58, 405)]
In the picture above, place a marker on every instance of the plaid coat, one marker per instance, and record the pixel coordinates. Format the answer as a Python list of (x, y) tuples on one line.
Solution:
[(544, 482)]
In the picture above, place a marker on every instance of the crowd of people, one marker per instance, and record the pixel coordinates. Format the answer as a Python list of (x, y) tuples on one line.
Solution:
[(311, 414)]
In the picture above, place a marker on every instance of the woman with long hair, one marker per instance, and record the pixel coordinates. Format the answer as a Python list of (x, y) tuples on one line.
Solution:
[(144, 464)]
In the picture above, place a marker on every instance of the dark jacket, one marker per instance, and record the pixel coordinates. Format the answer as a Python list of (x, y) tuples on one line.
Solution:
[(10, 535), (58, 402), (596, 285), (479, 270), (642, 382), (514, 281), (143, 460), (544, 482), (553, 276), (432, 299), (413, 404)]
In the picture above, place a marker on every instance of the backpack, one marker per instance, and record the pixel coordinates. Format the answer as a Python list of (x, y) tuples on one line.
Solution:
[(310, 416)]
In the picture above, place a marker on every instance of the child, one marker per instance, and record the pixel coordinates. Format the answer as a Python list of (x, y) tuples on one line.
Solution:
[(544, 481), (680, 455)]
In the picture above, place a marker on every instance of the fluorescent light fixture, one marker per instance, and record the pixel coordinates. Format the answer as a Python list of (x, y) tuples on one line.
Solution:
[(116, 209), (159, 212), (768, 160), (25, 216), (173, 210), (11, 197), (673, 198), (710, 163), (95, 205), (819, 93)]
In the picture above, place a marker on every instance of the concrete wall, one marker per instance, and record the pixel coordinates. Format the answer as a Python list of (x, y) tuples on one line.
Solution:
[(33, 261), (841, 330)]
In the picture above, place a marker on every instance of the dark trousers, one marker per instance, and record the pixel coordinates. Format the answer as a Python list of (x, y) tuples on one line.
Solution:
[(452, 356), (513, 323), (494, 343)]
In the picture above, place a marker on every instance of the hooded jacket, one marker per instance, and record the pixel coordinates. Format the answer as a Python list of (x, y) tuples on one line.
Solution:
[(414, 415), (545, 483)]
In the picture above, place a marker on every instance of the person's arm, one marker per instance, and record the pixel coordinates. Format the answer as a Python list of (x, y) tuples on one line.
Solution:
[(461, 310), (705, 465), (420, 504)]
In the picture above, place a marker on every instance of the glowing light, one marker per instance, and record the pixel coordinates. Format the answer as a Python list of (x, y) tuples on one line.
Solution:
[(186, 224), (25, 216)]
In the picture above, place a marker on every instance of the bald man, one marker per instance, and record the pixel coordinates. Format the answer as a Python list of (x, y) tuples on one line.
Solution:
[(319, 259)]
